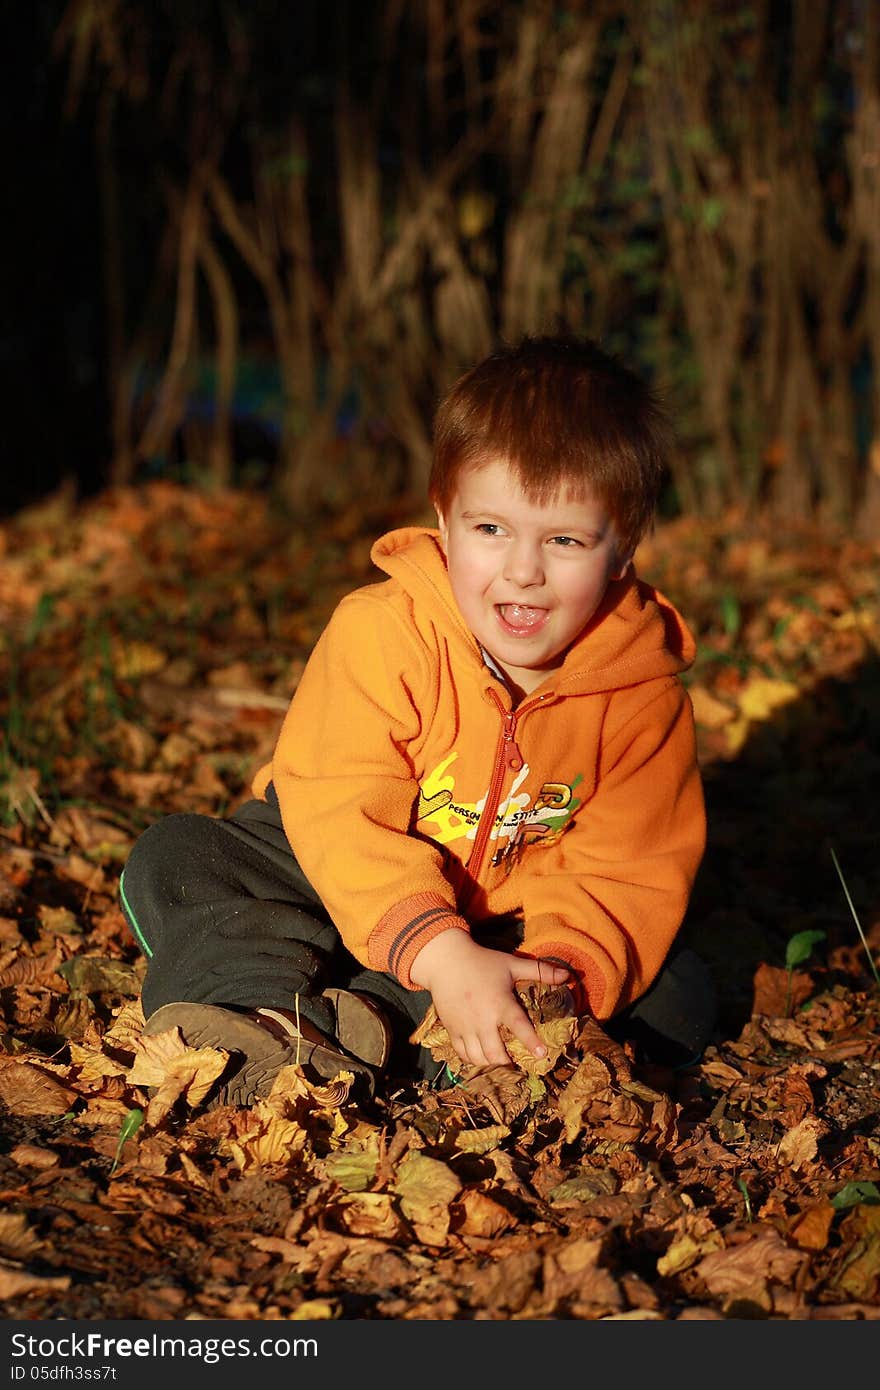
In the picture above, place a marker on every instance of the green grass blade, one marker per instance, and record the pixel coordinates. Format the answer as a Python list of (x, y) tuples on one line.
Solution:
[(871, 961)]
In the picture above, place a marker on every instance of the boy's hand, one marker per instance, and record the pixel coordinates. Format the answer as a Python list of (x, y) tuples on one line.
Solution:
[(472, 990)]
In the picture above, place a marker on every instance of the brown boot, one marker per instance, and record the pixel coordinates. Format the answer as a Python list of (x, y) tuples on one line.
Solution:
[(262, 1041), (361, 1027)]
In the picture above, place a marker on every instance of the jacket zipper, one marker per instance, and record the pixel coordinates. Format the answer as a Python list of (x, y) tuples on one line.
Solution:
[(507, 756)]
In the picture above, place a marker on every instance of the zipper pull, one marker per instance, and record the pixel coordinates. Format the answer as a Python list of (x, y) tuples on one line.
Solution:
[(513, 756)]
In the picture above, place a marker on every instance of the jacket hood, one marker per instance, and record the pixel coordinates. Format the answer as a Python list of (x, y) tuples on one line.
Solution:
[(636, 633)]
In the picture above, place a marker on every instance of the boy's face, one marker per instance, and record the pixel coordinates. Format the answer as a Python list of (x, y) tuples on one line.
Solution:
[(527, 577)]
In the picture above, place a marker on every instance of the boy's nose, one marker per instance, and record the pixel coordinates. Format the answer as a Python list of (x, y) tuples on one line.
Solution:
[(523, 566)]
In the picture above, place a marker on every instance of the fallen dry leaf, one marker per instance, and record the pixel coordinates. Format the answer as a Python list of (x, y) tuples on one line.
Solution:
[(479, 1215), (14, 1282), (258, 1138), (591, 1078), (811, 1228), (29, 1090), (743, 1273), (17, 1236), (799, 1145), (370, 1214), (426, 1186), (164, 1063)]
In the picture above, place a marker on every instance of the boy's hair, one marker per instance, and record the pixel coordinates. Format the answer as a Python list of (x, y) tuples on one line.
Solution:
[(564, 415)]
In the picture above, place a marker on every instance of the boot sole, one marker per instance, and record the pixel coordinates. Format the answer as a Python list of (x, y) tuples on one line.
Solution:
[(361, 1028), (256, 1055)]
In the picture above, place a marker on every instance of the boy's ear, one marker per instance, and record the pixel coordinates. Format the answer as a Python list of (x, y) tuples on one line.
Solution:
[(441, 526), (622, 566)]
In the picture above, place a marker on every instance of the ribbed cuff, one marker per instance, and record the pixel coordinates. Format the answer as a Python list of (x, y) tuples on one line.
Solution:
[(403, 931)]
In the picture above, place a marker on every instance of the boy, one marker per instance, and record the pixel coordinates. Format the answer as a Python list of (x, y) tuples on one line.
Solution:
[(487, 773)]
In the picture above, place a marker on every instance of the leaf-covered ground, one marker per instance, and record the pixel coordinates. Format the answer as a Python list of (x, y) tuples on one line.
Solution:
[(151, 640)]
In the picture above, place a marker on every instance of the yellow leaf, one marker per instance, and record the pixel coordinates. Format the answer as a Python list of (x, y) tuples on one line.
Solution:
[(134, 659), (426, 1187), (685, 1251), (762, 696), (481, 1141), (353, 1171), (165, 1062), (736, 734), (314, 1309)]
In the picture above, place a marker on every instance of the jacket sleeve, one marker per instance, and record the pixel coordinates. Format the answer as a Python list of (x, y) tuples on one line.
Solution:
[(347, 790), (613, 891)]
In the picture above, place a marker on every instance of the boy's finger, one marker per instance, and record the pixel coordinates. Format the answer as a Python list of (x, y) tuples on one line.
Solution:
[(521, 1027), (546, 972)]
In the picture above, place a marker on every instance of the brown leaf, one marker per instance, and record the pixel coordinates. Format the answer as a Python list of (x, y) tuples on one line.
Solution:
[(503, 1091), (573, 1270), (34, 1156), (143, 788), (591, 1078), (28, 1090), (475, 1214), (262, 1139), (17, 1237), (33, 970), (770, 985), (811, 1229), (583, 1186), (370, 1214), (93, 834), (16, 1281), (164, 1061), (593, 1039), (548, 1007), (93, 1067), (742, 1274), (128, 1024), (426, 1186), (860, 1276), (799, 1145)]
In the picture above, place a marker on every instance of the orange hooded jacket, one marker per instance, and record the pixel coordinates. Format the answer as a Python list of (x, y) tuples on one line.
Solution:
[(416, 799)]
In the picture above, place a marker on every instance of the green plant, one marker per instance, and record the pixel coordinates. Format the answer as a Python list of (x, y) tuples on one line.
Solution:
[(741, 1184), (799, 948), (130, 1125), (854, 1194)]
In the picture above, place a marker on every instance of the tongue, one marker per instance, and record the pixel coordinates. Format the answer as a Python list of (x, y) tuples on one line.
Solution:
[(518, 616)]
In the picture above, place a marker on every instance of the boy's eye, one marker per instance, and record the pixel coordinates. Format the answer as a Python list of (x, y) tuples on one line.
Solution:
[(567, 542), (488, 528)]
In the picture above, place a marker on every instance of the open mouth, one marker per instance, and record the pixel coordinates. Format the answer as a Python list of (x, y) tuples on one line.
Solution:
[(519, 619)]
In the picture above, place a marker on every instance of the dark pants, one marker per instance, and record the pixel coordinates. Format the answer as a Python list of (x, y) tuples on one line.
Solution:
[(225, 915)]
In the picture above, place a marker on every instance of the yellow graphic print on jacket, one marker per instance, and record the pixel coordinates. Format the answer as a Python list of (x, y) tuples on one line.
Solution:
[(446, 819)]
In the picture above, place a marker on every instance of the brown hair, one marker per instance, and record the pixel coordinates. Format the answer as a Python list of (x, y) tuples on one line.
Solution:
[(564, 415)]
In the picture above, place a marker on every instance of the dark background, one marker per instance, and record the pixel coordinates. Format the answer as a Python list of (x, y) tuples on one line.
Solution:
[(54, 421), (761, 111)]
